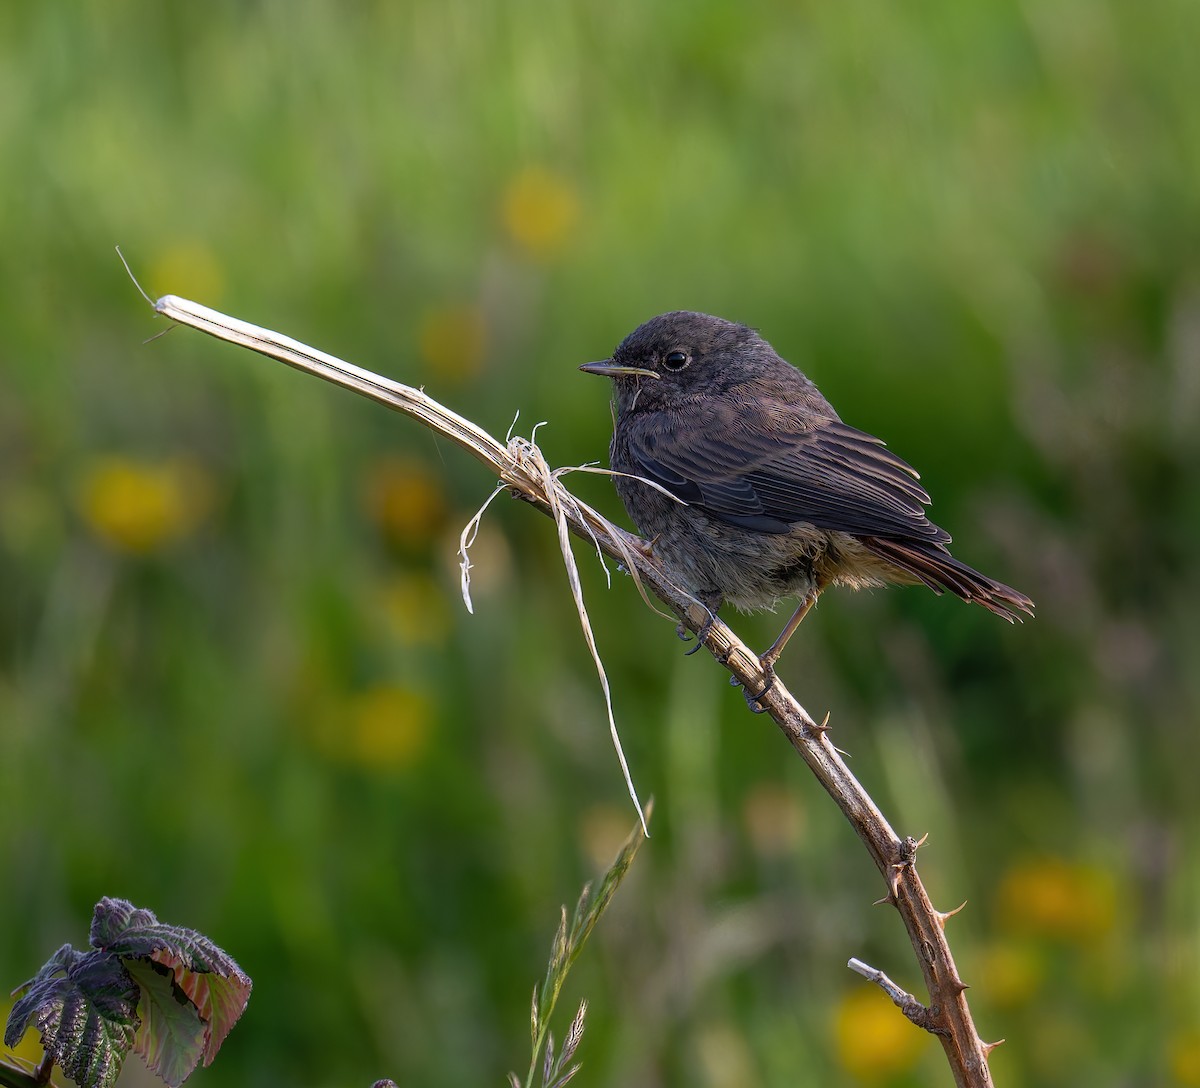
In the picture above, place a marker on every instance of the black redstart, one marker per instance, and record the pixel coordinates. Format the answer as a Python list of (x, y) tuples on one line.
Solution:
[(782, 498)]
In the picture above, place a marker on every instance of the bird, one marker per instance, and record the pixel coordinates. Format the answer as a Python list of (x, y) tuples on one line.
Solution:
[(748, 485)]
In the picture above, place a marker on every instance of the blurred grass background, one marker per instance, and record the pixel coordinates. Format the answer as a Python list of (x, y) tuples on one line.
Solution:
[(237, 685)]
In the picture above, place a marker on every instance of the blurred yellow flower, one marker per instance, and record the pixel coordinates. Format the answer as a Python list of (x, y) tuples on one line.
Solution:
[(416, 610), (140, 507), (451, 341), (187, 268), (1184, 1056), (1011, 973), (388, 727), (405, 500), (540, 209), (874, 1039), (1053, 897), (773, 818)]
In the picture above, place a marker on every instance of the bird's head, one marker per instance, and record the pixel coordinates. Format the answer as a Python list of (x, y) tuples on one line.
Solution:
[(678, 355)]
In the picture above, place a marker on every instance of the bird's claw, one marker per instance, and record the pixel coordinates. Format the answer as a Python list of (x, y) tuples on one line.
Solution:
[(701, 635), (754, 702)]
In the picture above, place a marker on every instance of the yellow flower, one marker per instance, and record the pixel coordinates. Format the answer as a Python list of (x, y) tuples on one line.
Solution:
[(141, 507), (388, 727), (451, 341), (1053, 897), (405, 501), (540, 209), (1011, 973), (1184, 1055), (187, 268), (874, 1039)]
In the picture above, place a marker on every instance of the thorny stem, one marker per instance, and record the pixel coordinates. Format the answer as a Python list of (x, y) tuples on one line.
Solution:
[(947, 1015)]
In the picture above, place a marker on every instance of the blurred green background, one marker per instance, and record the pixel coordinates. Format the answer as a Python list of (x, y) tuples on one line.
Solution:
[(238, 685)]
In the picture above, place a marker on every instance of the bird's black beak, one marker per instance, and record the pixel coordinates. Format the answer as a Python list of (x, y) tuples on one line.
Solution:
[(606, 368)]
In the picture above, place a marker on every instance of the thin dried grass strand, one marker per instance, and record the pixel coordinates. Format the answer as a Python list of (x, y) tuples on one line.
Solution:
[(466, 539), (530, 458)]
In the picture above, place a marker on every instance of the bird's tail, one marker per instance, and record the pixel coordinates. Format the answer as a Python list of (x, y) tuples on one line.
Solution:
[(933, 565)]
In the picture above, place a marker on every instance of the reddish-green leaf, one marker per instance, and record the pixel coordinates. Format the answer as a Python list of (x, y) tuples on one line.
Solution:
[(212, 981)]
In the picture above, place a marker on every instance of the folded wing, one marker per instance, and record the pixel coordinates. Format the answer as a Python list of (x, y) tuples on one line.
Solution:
[(771, 474)]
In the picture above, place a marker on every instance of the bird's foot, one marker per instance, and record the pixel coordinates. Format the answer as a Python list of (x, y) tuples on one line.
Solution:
[(684, 634), (754, 701), (701, 635)]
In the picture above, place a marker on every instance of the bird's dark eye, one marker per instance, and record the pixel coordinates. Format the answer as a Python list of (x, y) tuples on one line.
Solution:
[(676, 360)]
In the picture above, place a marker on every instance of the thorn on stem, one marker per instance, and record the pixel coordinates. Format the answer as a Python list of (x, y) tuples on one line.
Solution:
[(943, 916), (989, 1047)]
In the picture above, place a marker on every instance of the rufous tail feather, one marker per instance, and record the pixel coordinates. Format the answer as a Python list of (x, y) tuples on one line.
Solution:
[(933, 565)]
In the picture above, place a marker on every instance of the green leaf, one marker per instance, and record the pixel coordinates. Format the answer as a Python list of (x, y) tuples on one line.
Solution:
[(84, 1006), (171, 1037), (212, 981)]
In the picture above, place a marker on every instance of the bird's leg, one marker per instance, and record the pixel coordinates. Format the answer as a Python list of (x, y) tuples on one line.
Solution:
[(767, 661)]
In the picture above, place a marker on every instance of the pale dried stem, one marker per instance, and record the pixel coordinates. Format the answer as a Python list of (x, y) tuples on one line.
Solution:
[(948, 1016), (901, 998)]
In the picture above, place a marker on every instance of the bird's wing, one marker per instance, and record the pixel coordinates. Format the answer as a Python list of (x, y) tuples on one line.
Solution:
[(768, 472)]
